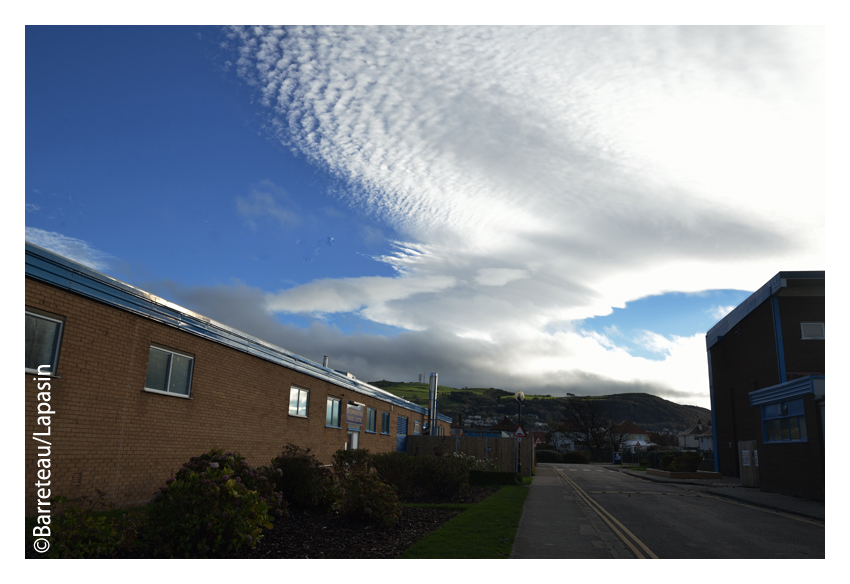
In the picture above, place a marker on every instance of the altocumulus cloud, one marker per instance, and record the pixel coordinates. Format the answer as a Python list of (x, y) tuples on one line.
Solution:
[(544, 175)]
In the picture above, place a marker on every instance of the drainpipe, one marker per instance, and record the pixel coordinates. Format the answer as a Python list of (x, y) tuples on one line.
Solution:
[(432, 405)]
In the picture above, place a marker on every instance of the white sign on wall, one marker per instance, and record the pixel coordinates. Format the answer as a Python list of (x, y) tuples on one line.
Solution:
[(745, 457)]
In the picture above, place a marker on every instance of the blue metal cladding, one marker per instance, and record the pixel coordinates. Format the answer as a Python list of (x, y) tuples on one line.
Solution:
[(401, 434), (783, 391), (46, 266)]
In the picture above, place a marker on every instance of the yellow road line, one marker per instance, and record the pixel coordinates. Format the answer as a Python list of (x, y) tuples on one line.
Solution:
[(610, 520)]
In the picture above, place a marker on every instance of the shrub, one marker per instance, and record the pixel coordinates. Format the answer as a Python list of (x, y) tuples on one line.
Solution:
[(667, 462), (494, 477), (396, 470), (574, 457), (81, 532), (687, 462), (347, 462), (442, 476), (548, 456), (207, 510), (364, 496), (303, 480)]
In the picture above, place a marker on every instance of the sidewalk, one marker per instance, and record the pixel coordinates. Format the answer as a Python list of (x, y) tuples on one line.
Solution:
[(557, 524), (731, 488)]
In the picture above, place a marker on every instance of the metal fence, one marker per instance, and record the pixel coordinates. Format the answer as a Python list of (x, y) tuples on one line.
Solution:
[(502, 452)]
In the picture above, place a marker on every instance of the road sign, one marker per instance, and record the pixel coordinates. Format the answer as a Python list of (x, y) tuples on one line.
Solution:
[(538, 441), (519, 439), (520, 433)]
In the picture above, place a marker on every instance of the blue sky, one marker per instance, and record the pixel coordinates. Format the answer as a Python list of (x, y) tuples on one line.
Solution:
[(560, 209)]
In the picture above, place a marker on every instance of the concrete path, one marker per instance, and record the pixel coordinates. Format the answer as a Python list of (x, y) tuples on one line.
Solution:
[(556, 523)]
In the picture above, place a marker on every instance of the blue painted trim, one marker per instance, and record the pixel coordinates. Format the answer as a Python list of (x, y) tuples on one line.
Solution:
[(46, 266), (783, 391), (777, 333)]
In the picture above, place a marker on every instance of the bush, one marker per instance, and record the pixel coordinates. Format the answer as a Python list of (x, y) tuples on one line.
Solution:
[(687, 462), (667, 462), (364, 496), (396, 470), (442, 476), (303, 480), (348, 462), (574, 457), (494, 477), (548, 456), (79, 531), (207, 510)]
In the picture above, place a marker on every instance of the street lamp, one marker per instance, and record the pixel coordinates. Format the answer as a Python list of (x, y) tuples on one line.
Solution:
[(519, 397)]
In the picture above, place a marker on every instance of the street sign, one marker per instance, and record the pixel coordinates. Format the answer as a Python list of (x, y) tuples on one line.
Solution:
[(538, 441), (518, 439), (520, 433)]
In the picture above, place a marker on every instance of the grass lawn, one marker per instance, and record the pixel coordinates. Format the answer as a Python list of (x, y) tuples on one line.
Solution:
[(483, 531)]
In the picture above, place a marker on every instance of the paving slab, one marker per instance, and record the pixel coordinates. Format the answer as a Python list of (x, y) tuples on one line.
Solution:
[(557, 524)]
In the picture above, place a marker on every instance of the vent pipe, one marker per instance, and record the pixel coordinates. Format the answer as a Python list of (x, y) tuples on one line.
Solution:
[(325, 361), (432, 405)]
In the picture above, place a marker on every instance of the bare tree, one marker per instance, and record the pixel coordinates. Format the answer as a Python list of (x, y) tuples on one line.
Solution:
[(588, 422)]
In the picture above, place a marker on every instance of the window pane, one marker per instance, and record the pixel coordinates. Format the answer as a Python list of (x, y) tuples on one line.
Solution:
[(181, 374), (785, 430), (802, 421), (777, 430), (303, 399), (795, 430), (42, 336), (293, 401), (157, 370)]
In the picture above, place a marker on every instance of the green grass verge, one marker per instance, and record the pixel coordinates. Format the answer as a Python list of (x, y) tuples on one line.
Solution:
[(483, 531)]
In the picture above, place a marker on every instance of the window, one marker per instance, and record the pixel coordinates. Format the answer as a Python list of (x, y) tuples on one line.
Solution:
[(42, 342), (353, 439), (812, 330), (385, 422), (169, 372), (298, 400), (784, 422), (442, 431), (334, 408), (371, 420), (416, 427)]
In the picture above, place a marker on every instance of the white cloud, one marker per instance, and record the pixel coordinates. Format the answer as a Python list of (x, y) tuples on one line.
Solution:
[(542, 175), (262, 202), (719, 312), (69, 247)]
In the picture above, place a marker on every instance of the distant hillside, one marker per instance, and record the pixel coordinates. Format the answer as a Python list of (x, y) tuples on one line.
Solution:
[(650, 412)]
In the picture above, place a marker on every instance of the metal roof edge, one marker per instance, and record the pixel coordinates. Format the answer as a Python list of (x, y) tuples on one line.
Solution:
[(59, 271), (770, 288)]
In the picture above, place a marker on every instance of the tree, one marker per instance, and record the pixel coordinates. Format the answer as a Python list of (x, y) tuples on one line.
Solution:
[(589, 422), (664, 439)]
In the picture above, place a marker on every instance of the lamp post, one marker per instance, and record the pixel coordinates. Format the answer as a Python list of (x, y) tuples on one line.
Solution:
[(519, 397)]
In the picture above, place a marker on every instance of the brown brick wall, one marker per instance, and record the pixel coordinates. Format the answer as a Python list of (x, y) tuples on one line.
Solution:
[(125, 441)]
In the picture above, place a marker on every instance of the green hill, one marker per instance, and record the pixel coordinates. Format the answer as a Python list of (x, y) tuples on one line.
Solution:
[(650, 412)]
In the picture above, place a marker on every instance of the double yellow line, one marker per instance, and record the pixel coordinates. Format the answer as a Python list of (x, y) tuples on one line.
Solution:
[(620, 530)]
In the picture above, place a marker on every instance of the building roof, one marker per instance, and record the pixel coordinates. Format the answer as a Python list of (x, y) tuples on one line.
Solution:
[(66, 274), (695, 430), (773, 286)]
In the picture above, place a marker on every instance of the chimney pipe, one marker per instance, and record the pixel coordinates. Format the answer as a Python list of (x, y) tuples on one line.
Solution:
[(325, 361), (432, 405)]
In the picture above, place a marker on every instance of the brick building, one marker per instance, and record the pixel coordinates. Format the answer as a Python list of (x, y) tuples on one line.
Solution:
[(766, 362), (138, 385)]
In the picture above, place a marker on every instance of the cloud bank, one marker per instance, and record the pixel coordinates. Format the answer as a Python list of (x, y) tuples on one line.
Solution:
[(545, 175)]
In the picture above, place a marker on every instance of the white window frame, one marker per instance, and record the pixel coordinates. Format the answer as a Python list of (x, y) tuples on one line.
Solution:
[(302, 398), (810, 338), (336, 404), (171, 352), (55, 355)]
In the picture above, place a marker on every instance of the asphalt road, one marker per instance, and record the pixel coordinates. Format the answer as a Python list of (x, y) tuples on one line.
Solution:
[(681, 521)]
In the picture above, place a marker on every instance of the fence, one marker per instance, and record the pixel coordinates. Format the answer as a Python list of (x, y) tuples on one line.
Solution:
[(503, 450)]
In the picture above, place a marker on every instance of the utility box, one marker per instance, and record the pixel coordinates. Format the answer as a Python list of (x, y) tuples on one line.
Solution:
[(618, 457)]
